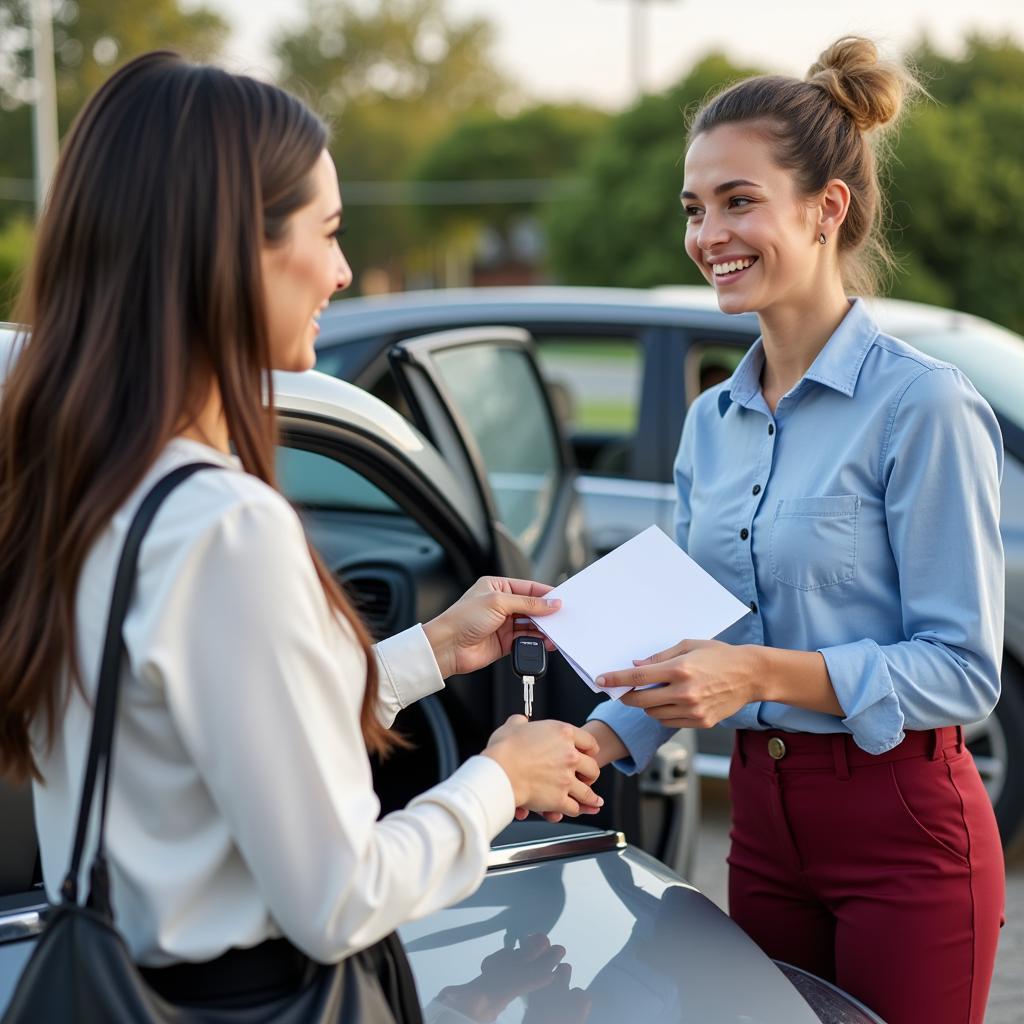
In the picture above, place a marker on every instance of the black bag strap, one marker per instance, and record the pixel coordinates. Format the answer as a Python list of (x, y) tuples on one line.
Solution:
[(101, 741)]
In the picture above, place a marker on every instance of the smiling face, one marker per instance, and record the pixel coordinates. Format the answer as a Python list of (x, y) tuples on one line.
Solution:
[(754, 238), (301, 272)]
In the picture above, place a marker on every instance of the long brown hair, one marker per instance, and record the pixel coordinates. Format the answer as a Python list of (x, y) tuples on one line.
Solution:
[(830, 125), (145, 284)]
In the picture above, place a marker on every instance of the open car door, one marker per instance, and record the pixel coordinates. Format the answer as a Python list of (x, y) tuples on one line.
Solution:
[(478, 394)]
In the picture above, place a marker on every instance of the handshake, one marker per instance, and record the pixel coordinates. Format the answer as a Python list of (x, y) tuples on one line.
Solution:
[(551, 766)]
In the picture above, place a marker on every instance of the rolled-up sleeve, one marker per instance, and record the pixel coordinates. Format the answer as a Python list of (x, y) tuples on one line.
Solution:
[(641, 734), (940, 470)]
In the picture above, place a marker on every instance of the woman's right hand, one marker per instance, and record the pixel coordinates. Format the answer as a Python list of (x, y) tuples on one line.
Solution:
[(550, 765)]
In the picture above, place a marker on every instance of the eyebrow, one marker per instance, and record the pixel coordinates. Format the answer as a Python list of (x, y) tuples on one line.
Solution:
[(726, 186), (334, 216)]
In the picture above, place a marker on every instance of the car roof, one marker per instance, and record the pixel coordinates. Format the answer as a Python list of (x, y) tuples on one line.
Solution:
[(667, 303), (991, 356)]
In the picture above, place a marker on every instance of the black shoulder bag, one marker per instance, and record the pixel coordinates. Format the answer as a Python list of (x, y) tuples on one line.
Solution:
[(81, 969)]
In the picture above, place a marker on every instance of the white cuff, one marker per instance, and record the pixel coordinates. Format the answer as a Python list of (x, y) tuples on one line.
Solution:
[(408, 667)]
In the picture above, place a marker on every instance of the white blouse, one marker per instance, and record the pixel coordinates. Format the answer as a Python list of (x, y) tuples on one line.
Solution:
[(241, 802)]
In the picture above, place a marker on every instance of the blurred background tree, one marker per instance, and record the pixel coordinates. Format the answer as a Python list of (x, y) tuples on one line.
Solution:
[(445, 166), (391, 78), (623, 224), (957, 187), (502, 169), (90, 40)]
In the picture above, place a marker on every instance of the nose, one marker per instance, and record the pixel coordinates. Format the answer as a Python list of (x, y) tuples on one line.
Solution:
[(712, 233), (344, 277)]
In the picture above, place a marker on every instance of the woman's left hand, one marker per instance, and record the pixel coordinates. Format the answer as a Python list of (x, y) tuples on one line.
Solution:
[(480, 627), (703, 681)]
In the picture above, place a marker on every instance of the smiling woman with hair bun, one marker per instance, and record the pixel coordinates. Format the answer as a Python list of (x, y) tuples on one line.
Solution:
[(846, 486)]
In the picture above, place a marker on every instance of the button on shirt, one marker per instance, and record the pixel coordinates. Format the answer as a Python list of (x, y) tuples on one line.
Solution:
[(860, 520)]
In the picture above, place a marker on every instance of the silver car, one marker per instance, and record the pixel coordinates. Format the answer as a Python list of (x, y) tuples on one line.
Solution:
[(623, 366), (407, 532)]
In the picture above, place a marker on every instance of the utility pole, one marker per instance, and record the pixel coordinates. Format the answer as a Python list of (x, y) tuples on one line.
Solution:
[(44, 117), (638, 45)]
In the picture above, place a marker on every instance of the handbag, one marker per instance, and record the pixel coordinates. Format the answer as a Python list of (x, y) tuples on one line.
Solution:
[(81, 969)]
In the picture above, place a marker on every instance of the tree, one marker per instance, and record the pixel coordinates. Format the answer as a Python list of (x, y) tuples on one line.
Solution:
[(958, 183), (391, 80), (623, 225), (528, 154), (90, 40), (15, 248), (955, 184)]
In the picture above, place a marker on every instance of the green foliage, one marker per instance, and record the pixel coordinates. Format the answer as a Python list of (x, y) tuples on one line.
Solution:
[(625, 225), (90, 40), (958, 184), (392, 79), (543, 143), (956, 188), (987, 64), (15, 250)]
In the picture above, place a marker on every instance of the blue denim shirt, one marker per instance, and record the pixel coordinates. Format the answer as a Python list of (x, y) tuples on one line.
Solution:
[(860, 520)]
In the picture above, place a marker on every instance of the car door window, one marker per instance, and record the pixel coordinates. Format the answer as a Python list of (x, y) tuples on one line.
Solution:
[(709, 363), (595, 386), (501, 400), (314, 481)]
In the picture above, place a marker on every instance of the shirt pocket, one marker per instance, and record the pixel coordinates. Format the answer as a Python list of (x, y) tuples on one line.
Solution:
[(813, 541)]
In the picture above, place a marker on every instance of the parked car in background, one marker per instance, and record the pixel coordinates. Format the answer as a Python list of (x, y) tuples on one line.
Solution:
[(407, 531), (623, 366)]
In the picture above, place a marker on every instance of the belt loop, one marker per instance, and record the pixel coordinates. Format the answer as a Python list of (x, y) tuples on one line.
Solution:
[(959, 739), (937, 753), (740, 752), (842, 765)]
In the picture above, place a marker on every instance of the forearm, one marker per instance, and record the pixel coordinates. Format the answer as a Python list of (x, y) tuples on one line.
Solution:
[(797, 678), (611, 747)]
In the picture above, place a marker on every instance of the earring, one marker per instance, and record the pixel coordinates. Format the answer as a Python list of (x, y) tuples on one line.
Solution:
[(822, 239)]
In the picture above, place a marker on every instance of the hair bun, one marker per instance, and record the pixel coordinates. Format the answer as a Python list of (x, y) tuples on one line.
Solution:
[(870, 90)]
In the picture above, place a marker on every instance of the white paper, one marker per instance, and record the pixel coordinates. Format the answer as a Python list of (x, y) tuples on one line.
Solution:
[(641, 598)]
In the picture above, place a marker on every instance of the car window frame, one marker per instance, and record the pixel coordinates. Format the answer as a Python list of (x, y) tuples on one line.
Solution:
[(410, 358)]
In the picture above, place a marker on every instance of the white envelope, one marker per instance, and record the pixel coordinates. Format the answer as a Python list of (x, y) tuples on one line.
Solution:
[(637, 600)]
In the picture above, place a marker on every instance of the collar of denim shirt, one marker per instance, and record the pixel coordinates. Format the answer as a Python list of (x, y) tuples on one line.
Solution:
[(836, 366)]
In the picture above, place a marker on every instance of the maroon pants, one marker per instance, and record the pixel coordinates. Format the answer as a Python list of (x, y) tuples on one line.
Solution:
[(883, 874)]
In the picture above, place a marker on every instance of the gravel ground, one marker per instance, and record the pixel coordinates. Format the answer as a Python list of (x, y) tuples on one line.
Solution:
[(1006, 1001)]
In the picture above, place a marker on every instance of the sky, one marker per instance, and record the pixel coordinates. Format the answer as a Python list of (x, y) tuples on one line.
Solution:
[(563, 50)]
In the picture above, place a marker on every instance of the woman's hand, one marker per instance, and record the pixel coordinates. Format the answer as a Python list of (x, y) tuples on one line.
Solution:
[(550, 765), (703, 681), (480, 627)]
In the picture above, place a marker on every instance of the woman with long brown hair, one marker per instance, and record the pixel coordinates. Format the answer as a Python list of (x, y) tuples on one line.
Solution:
[(188, 244)]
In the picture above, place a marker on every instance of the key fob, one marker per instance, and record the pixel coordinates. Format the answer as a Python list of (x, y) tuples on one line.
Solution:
[(529, 656)]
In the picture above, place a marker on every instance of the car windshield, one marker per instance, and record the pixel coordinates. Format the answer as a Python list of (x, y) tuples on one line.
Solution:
[(992, 357)]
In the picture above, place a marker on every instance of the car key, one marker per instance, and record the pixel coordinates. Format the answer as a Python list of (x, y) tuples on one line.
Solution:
[(529, 662)]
